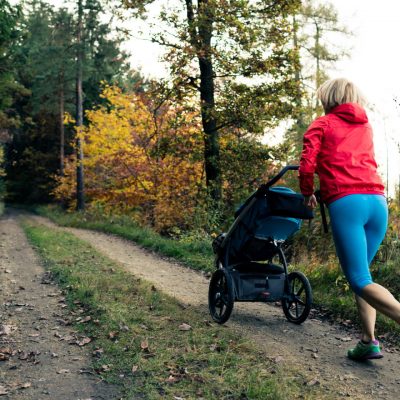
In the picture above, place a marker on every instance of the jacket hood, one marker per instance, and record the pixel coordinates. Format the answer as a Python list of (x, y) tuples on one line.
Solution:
[(350, 112)]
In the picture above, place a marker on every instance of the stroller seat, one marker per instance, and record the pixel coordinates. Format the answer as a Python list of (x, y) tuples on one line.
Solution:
[(276, 227)]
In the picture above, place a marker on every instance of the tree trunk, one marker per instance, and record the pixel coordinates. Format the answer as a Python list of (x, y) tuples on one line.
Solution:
[(61, 122), (317, 60), (207, 90), (297, 77), (80, 201)]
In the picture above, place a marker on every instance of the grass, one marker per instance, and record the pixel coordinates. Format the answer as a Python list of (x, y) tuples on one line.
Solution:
[(195, 252), (334, 297), (330, 289), (136, 334)]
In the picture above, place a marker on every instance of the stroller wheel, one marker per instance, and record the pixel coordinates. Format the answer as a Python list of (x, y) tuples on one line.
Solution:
[(220, 296), (297, 300)]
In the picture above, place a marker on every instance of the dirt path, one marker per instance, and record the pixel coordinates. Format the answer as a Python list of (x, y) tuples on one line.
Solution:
[(316, 346), (37, 360)]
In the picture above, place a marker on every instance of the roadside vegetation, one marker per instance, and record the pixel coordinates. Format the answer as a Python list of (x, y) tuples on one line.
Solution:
[(149, 344), (312, 252)]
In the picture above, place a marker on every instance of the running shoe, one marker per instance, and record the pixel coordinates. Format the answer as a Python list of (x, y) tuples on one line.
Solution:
[(365, 351)]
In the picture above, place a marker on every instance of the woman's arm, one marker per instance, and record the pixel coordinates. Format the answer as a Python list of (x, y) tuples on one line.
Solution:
[(308, 162)]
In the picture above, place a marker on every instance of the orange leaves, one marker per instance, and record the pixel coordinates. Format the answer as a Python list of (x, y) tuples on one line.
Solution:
[(140, 156)]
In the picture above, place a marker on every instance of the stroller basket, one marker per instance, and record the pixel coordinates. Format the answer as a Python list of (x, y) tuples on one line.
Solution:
[(258, 282)]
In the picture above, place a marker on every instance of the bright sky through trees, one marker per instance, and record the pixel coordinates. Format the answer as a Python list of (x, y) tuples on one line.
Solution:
[(374, 65)]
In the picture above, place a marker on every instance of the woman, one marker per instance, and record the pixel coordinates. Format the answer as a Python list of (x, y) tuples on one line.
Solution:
[(339, 148)]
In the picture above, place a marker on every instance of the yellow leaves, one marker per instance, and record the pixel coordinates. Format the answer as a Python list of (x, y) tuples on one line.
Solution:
[(68, 119), (140, 158)]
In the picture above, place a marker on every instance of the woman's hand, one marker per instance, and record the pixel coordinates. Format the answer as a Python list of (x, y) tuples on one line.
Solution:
[(310, 201)]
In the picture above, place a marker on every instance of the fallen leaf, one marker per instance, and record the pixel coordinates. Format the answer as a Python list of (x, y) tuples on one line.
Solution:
[(278, 359), (98, 352), (7, 329), (113, 335), (215, 347), (172, 379), (134, 368), (3, 391), (346, 339), (185, 327), (313, 382), (124, 328), (25, 385), (63, 371), (144, 345), (23, 356), (84, 341)]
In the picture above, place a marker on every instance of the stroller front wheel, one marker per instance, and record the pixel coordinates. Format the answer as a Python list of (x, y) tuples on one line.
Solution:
[(297, 300), (221, 296)]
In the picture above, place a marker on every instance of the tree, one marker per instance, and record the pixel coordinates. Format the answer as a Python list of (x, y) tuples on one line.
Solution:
[(316, 29), (80, 200), (9, 88), (44, 60), (140, 158), (318, 41), (236, 56)]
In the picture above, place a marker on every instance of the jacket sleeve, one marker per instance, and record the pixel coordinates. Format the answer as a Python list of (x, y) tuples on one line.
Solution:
[(308, 162)]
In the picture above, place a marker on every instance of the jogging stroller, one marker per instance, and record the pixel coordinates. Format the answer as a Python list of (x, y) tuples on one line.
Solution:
[(244, 255)]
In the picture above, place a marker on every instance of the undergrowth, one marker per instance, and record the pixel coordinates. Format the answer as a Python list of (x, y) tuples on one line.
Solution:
[(314, 255)]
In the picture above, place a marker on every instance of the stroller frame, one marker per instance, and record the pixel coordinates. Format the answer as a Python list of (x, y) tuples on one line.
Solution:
[(251, 281)]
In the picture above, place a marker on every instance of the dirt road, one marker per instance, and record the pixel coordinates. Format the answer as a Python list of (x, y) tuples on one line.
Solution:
[(39, 355), (316, 346)]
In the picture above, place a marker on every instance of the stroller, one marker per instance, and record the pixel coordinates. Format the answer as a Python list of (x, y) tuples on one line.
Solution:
[(244, 255)]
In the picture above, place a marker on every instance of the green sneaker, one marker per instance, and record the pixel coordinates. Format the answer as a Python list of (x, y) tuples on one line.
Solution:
[(365, 351)]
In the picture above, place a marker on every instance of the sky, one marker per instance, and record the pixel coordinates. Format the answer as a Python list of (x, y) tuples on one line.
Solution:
[(374, 65)]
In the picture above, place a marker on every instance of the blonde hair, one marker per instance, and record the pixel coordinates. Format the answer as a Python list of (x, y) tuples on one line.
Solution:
[(338, 91)]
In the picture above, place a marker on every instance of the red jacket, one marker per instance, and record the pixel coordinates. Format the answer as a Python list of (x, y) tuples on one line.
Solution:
[(339, 148)]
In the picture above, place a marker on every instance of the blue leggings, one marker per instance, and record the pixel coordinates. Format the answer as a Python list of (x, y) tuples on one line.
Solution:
[(359, 223)]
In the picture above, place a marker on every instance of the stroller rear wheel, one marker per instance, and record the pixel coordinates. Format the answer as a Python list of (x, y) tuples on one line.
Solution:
[(221, 296), (297, 300)]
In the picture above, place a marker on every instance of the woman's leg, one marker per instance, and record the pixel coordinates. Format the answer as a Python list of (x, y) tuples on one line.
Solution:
[(376, 295), (382, 300), (355, 250), (375, 231), (368, 316)]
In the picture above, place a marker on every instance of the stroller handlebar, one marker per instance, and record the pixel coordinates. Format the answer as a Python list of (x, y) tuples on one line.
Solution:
[(281, 173)]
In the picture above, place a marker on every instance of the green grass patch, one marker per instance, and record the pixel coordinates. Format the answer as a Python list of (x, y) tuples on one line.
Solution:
[(333, 295), (143, 348), (194, 251)]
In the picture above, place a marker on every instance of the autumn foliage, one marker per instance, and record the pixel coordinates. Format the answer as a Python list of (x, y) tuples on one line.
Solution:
[(140, 158)]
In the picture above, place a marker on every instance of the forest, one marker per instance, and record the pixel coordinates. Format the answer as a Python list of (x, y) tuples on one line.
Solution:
[(83, 129), (89, 141)]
